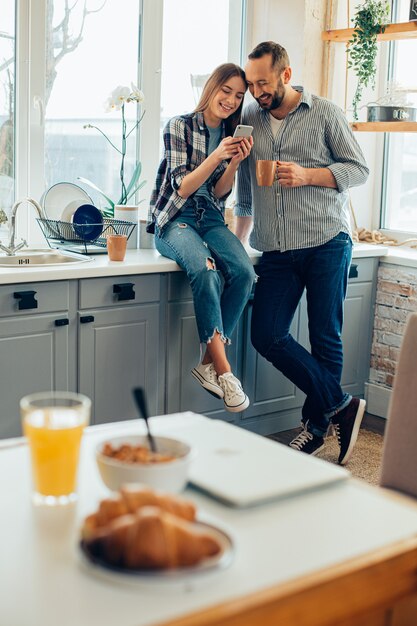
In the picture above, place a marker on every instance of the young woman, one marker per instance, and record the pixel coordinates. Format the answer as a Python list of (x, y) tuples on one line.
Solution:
[(186, 213)]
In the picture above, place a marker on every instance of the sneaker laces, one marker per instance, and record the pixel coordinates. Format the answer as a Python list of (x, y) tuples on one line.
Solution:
[(336, 428), (304, 437), (231, 386), (210, 373)]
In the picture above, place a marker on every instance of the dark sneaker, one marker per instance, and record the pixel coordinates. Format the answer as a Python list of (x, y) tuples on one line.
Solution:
[(347, 424), (306, 442)]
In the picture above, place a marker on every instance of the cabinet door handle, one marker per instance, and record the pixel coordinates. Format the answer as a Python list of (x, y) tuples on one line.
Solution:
[(353, 271), (62, 322), (86, 319), (124, 291), (26, 299)]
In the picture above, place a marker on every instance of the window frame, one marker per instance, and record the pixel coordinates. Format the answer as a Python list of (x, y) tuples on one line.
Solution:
[(150, 68), (382, 209), (30, 89)]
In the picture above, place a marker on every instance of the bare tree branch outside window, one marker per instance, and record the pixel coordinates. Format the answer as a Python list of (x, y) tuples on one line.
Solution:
[(63, 39)]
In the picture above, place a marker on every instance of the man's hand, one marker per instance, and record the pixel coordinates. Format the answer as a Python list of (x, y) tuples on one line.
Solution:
[(292, 175)]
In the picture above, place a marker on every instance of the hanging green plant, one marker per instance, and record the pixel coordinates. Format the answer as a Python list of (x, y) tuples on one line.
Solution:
[(370, 19)]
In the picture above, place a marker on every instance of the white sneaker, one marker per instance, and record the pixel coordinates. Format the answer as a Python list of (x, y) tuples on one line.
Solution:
[(235, 399), (206, 375)]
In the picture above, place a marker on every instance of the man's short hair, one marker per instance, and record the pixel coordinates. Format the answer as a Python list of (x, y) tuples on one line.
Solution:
[(279, 55)]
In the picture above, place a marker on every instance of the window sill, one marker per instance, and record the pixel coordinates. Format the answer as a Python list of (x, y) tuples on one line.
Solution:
[(405, 256), (387, 254)]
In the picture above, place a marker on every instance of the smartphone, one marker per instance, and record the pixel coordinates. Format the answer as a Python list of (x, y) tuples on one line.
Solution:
[(243, 131)]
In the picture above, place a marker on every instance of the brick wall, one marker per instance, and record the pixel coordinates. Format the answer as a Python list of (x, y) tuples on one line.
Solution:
[(396, 298)]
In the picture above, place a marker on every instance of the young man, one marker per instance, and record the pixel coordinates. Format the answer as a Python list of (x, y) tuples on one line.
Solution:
[(301, 224)]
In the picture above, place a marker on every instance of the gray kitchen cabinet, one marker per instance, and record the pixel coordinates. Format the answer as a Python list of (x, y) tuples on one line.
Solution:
[(104, 336), (36, 329), (119, 344), (357, 337), (183, 392)]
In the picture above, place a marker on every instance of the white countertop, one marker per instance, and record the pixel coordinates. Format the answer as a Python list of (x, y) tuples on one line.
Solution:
[(407, 257), (44, 582), (136, 262)]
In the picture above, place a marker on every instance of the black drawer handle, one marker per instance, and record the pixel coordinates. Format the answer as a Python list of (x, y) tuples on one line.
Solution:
[(63, 322), (124, 291), (353, 271), (87, 319), (26, 299)]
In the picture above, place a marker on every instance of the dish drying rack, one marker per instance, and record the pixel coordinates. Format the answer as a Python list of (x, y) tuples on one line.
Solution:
[(62, 235)]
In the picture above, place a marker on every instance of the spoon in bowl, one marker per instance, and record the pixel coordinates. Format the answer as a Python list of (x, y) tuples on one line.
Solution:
[(140, 400)]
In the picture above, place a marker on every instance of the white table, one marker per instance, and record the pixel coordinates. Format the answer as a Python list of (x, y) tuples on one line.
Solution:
[(339, 533)]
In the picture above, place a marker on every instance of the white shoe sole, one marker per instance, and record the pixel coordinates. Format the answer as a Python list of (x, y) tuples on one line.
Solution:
[(317, 450), (355, 431), (214, 390), (239, 408)]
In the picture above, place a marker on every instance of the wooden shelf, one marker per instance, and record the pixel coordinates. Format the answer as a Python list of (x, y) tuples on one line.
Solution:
[(384, 127), (402, 30)]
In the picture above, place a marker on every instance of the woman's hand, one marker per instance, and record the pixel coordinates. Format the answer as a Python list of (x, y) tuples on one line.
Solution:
[(227, 148), (244, 149), (224, 185)]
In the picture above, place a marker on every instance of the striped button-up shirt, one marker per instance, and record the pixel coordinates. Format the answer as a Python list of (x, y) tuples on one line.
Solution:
[(315, 134), (186, 143)]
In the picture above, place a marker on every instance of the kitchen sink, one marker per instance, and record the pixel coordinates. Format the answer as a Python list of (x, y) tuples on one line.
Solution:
[(31, 258)]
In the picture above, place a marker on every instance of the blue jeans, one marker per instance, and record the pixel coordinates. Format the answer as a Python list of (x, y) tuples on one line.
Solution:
[(202, 245), (323, 271)]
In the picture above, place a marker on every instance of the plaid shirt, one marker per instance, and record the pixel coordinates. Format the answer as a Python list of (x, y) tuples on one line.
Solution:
[(186, 140)]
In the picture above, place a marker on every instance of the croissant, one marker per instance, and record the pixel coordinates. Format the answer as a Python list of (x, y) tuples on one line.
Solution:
[(152, 539), (136, 497), (131, 499)]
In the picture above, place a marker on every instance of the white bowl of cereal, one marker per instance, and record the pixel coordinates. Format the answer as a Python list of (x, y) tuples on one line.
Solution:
[(128, 459)]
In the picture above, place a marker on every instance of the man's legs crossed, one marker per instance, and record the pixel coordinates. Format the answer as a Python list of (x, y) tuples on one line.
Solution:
[(326, 283), (277, 294), (325, 270)]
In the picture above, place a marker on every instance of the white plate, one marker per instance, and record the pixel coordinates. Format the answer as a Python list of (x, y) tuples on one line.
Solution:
[(68, 212), (181, 574), (57, 198)]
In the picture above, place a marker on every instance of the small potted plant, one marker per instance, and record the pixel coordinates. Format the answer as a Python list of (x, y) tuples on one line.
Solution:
[(370, 19), (116, 102)]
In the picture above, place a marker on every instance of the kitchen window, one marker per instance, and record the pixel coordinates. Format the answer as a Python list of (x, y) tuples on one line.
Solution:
[(399, 187), (86, 58), (78, 52), (7, 111)]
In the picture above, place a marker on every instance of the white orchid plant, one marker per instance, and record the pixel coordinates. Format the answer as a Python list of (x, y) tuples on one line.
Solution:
[(116, 101)]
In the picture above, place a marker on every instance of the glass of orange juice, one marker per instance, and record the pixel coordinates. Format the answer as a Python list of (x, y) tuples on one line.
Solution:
[(53, 423)]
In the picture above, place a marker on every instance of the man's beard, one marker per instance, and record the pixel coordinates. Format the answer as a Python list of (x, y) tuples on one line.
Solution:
[(277, 98)]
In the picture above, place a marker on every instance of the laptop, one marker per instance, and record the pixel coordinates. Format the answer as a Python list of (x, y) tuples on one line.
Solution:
[(243, 469)]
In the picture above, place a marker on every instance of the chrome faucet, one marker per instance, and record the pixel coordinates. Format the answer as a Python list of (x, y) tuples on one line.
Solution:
[(11, 249)]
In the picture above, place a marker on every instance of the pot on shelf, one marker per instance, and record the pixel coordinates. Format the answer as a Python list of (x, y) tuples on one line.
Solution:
[(391, 113)]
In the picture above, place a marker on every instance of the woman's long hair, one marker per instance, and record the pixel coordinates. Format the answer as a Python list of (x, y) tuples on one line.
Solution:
[(217, 78)]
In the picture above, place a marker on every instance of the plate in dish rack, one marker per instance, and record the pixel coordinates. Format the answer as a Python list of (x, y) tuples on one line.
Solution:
[(57, 198), (219, 562)]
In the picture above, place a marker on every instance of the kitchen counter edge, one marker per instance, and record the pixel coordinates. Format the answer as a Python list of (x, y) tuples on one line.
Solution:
[(136, 262)]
